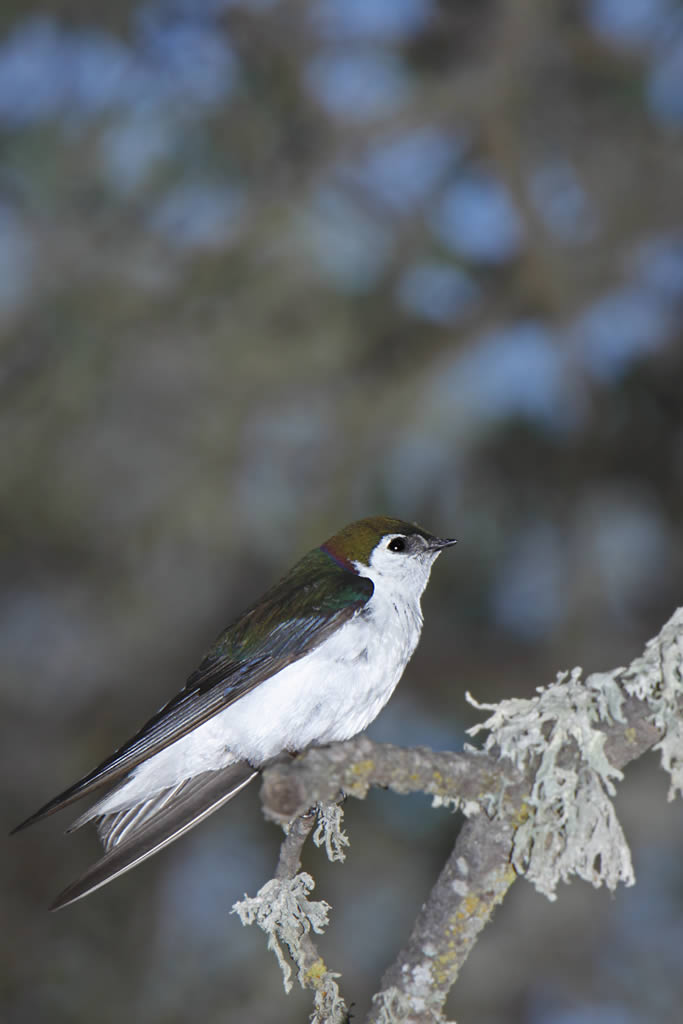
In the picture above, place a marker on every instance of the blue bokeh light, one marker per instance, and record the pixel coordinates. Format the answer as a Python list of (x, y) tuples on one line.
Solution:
[(619, 329), (376, 20), (514, 371), (48, 71), (359, 84), (403, 171), (198, 215), (633, 24), (478, 219), (437, 292)]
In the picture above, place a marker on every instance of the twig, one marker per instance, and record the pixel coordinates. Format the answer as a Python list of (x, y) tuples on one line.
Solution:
[(281, 908), (297, 833)]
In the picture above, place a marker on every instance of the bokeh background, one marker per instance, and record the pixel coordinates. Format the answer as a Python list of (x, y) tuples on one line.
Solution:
[(266, 267)]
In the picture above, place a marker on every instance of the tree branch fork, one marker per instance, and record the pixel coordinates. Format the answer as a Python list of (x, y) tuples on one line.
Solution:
[(537, 801)]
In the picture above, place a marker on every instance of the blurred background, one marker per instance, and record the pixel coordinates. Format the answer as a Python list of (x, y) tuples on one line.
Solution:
[(267, 267)]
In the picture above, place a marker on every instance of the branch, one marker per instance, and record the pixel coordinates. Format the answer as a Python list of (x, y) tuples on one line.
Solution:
[(538, 800), (281, 908), (324, 775)]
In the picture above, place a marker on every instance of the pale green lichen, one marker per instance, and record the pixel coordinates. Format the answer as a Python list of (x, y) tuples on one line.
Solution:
[(656, 678), (329, 832), (571, 827), (282, 910), (392, 1006)]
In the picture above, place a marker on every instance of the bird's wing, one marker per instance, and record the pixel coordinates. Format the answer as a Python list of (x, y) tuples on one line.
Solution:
[(137, 833), (319, 597)]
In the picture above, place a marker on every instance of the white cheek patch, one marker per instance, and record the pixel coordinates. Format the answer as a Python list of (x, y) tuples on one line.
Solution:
[(394, 571)]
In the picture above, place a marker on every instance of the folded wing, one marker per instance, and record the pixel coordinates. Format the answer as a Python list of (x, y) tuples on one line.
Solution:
[(250, 650)]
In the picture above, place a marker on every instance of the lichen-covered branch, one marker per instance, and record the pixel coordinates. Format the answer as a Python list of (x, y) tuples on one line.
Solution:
[(325, 774), (281, 908), (538, 801), (473, 882)]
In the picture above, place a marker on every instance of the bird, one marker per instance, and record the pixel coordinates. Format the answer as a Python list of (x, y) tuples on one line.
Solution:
[(313, 661)]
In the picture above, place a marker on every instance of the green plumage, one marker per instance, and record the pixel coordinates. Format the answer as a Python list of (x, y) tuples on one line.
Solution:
[(314, 591)]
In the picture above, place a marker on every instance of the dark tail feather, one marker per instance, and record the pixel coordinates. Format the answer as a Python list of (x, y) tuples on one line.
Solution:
[(82, 788), (194, 801)]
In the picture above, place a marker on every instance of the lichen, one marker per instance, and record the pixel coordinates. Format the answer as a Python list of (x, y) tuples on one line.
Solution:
[(656, 678), (570, 827), (282, 910), (329, 832), (357, 780)]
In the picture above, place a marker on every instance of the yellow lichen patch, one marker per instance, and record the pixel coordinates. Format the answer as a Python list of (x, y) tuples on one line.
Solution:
[(630, 735), (476, 906), (315, 972), (522, 814), (362, 770), (468, 908), (356, 779), (465, 923), (445, 963)]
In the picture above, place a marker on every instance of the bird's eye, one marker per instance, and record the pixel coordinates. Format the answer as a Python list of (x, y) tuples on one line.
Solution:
[(397, 544)]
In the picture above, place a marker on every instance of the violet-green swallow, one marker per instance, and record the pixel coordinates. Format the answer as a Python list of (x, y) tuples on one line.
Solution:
[(313, 661)]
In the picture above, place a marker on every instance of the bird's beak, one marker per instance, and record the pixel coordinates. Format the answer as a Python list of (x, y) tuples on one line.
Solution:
[(438, 543)]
